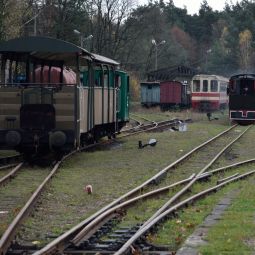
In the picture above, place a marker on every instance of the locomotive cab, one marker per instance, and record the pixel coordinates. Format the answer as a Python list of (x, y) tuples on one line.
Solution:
[(242, 98)]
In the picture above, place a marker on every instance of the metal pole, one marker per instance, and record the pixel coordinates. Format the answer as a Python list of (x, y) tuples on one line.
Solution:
[(81, 41), (156, 59), (35, 26)]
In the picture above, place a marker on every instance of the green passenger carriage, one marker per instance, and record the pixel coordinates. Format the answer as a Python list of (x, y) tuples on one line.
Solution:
[(55, 95)]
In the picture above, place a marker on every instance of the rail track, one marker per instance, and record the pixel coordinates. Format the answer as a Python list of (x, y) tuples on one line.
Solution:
[(10, 174), (151, 127), (89, 230), (84, 227), (12, 199), (10, 161)]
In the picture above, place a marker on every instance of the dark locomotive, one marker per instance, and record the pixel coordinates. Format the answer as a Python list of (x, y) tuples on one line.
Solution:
[(241, 92), (56, 96)]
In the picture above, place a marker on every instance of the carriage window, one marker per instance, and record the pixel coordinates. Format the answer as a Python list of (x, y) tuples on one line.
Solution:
[(205, 85), (196, 85), (98, 79), (117, 81), (106, 79), (214, 86), (223, 87)]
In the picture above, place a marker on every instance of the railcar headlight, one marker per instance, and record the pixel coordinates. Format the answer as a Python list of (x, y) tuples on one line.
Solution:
[(58, 139), (12, 138)]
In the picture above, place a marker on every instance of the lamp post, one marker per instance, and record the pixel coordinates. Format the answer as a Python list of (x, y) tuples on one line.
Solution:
[(82, 38), (153, 41), (206, 58)]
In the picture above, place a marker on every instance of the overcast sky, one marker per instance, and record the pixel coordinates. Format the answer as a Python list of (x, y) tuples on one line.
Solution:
[(194, 5)]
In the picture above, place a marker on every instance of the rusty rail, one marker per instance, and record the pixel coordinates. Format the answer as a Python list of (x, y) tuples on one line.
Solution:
[(188, 186), (83, 235), (59, 243), (11, 174), (174, 208), (11, 160)]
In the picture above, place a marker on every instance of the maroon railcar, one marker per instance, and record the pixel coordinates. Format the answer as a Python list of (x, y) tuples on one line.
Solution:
[(174, 93)]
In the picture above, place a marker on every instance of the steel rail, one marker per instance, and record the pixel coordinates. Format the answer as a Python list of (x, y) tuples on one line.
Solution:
[(59, 242), (11, 174), (10, 159), (233, 165), (188, 186), (7, 166), (10, 233), (132, 128), (155, 125), (91, 228), (148, 127), (82, 235), (174, 208), (227, 178), (120, 137)]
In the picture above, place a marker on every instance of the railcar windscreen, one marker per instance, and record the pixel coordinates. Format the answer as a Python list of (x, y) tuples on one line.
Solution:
[(214, 86), (196, 85), (205, 85)]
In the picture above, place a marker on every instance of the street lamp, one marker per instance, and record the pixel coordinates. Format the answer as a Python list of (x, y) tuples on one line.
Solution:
[(82, 38), (206, 58), (153, 41)]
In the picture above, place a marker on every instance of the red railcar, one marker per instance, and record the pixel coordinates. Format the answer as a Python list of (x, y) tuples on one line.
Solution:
[(209, 92), (174, 93)]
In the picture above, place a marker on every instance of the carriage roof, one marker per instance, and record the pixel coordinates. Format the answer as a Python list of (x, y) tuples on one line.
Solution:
[(243, 76), (48, 49), (210, 76)]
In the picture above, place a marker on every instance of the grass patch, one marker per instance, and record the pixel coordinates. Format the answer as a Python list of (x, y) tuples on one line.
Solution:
[(234, 234), (112, 172)]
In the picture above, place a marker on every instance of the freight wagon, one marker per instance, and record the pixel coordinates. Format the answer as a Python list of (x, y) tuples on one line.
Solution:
[(174, 93), (166, 94), (150, 93)]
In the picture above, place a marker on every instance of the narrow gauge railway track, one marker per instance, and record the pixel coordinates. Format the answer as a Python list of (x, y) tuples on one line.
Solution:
[(90, 229), (10, 174), (96, 244), (10, 160), (151, 127), (13, 199), (141, 127), (62, 241), (137, 125), (11, 231)]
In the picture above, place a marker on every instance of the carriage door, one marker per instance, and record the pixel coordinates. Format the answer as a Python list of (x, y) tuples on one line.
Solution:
[(149, 95), (118, 96)]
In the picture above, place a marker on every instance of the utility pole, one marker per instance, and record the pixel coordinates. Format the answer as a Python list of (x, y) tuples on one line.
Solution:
[(153, 41)]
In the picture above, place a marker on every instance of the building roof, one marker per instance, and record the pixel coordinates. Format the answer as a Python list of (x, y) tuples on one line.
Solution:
[(171, 73)]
